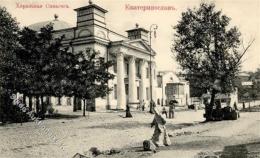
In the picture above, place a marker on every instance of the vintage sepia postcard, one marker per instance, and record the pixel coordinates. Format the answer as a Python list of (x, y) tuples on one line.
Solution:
[(129, 78)]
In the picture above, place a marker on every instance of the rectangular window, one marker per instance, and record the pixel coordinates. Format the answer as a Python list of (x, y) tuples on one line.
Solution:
[(147, 93), (178, 89), (138, 90), (181, 89), (115, 91), (147, 72), (138, 70), (159, 81), (127, 69), (126, 89)]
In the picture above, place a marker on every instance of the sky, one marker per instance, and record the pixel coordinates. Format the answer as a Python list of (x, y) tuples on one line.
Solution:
[(243, 13)]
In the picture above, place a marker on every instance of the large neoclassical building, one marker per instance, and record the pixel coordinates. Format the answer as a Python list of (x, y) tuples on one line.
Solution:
[(132, 54)]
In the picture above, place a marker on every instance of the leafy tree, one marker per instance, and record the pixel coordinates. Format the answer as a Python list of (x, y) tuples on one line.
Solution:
[(8, 44), (255, 77), (51, 70), (241, 89), (37, 65), (90, 76), (44, 64), (254, 90), (208, 50), (249, 92)]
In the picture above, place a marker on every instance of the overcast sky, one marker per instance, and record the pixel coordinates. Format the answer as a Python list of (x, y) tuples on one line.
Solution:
[(245, 15)]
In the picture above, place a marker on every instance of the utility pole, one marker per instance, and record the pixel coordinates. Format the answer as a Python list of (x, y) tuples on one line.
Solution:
[(161, 75), (153, 29)]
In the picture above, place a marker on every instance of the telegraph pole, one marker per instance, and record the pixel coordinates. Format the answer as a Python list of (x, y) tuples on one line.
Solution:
[(153, 29)]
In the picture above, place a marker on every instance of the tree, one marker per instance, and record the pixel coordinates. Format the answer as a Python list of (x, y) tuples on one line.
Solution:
[(249, 92), (8, 44), (255, 77), (44, 65), (208, 50), (254, 90), (90, 76), (51, 70), (37, 65)]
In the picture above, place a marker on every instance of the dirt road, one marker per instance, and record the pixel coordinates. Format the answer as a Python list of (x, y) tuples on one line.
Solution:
[(225, 139), (231, 139), (106, 130)]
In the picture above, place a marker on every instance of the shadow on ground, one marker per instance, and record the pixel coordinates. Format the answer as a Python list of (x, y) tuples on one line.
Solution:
[(136, 124), (121, 125), (62, 116), (250, 150), (179, 126)]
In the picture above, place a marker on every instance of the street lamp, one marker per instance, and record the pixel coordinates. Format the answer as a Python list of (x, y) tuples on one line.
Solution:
[(153, 29)]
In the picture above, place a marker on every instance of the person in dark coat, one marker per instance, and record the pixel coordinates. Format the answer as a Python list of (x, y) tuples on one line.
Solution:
[(143, 105), (171, 108)]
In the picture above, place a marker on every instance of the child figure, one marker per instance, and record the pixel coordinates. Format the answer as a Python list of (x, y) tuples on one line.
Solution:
[(164, 111)]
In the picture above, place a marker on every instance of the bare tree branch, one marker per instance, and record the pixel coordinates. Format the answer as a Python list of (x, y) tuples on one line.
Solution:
[(245, 50)]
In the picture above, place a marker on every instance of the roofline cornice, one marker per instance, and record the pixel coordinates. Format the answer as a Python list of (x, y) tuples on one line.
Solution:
[(121, 43)]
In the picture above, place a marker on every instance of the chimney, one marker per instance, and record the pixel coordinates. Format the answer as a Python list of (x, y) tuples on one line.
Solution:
[(91, 14), (138, 33)]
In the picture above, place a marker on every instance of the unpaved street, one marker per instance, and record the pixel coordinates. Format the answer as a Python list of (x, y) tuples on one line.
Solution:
[(106, 130)]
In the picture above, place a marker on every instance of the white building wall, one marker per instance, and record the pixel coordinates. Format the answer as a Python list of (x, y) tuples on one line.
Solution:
[(101, 102), (170, 77)]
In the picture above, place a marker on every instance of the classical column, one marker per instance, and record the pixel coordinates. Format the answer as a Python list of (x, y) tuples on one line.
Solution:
[(142, 82), (121, 96), (131, 79)]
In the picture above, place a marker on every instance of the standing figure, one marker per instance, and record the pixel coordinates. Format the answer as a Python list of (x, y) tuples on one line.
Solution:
[(128, 113), (152, 106), (160, 136), (171, 108), (143, 105), (164, 111)]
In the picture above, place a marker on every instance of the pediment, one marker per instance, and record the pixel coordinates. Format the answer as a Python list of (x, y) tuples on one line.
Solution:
[(135, 45), (139, 44)]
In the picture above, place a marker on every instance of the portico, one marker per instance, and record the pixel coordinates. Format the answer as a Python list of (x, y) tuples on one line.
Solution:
[(132, 74)]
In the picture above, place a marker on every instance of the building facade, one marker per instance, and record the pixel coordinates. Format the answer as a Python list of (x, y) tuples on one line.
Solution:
[(132, 54), (170, 87)]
